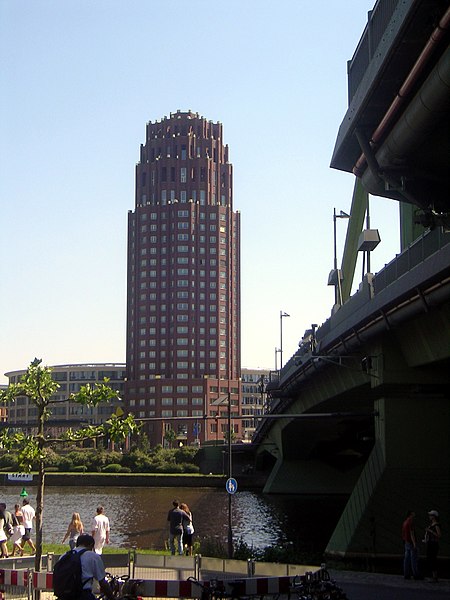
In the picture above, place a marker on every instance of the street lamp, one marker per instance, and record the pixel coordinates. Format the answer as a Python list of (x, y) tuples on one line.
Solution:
[(282, 314), (277, 350), (218, 402), (335, 277), (230, 518)]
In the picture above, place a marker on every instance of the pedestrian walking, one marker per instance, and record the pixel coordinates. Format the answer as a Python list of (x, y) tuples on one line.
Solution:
[(100, 530), (3, 538), (9, 522), (432, 537), (29, 515), (74, 529), (19, 531)]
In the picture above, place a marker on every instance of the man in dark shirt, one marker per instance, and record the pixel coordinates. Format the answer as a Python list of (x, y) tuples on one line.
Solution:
[(411, 558), (176, 517)]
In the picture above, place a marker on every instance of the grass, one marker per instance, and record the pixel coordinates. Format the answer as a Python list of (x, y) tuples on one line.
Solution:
[(61, 548)]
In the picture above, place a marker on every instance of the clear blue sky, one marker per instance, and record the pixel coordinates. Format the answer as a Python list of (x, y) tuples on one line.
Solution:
[(80, 79)]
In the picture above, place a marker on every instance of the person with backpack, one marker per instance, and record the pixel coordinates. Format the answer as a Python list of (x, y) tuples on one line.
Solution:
[(75, 571)]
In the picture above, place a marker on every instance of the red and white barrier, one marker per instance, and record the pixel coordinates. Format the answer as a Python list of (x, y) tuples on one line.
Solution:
[(14, 577), (255, 586), (156, 588), (160, 588), (43, 581)]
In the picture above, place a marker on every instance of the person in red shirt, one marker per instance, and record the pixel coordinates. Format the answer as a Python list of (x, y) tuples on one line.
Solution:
[(411, 558)]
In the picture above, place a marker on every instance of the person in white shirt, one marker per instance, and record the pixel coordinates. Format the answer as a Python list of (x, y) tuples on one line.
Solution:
[(28, 514), (100, 530)]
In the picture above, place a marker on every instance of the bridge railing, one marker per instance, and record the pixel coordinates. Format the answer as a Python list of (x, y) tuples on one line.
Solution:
[(421, 249)]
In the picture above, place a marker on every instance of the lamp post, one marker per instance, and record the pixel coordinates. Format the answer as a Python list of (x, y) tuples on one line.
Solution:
[(230, 470), (337, 287), (282, 315), (277, 350)]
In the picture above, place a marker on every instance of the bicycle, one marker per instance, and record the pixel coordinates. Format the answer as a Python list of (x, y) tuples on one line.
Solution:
[(322, 588), (215, 589), (122, 587)]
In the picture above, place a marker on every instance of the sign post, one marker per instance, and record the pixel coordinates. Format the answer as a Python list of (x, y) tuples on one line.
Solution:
[(231, 485)]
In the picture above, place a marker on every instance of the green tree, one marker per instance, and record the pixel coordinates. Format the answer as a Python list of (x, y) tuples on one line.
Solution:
[(170, 436), (38, 386)]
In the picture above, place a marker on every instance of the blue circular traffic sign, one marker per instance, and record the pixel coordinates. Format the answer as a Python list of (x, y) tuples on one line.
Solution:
[(231, 485)]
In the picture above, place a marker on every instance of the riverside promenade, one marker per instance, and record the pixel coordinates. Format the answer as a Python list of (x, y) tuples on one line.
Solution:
[(378, 586)]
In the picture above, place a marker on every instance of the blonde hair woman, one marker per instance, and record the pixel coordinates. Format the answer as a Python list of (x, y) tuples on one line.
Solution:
[(74, 530)]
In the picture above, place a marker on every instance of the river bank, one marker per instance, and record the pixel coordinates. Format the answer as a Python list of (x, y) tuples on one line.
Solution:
[(187, 480)]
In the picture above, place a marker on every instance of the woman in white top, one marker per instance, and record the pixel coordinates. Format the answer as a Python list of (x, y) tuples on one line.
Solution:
[(188, 530), (3, 538), (19, 530)]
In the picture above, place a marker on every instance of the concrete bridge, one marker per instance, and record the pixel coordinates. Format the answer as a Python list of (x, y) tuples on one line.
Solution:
[(363, 408)]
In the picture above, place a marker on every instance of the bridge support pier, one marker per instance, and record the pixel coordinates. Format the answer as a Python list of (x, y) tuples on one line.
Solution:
[(407, 469)]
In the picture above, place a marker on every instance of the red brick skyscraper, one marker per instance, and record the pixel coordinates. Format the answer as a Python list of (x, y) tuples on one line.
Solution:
[(183, 305)]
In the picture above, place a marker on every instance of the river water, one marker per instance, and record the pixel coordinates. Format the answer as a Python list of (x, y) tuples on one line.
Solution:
[(138, 516)]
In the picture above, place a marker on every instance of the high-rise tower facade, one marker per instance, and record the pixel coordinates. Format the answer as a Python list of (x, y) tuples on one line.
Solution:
[(183, 305)]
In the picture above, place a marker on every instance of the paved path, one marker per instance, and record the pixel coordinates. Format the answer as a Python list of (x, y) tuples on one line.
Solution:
[(377, 586)]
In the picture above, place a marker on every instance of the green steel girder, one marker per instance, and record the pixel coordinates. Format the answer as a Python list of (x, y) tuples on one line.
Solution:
[(355, 226)]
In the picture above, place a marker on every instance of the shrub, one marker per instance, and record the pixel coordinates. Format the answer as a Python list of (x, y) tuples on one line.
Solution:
[(190, 468), (213, 547), (9, 463), (65, 464), (79, 469), (51, 458), (186, 454), (242, 551), (125, 470), (136, 460), (112, 468), (78, 456)]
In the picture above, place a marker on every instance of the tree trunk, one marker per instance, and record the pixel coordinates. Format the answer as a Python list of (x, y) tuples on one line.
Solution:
[(39, 515), (40, 490)]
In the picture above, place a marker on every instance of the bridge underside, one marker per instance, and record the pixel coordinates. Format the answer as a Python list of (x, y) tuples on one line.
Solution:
[(378, 435)]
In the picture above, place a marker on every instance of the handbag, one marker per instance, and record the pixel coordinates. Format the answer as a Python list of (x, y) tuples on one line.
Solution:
[(190, 529)]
